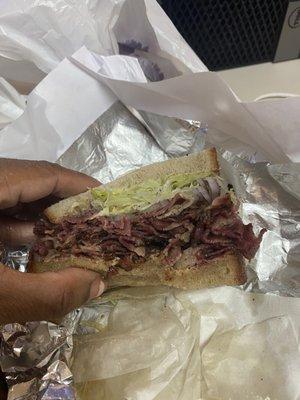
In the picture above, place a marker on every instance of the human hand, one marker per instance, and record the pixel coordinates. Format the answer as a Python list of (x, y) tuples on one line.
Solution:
[(26, 187)]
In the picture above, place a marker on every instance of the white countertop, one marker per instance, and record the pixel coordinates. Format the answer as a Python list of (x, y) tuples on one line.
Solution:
[(255, 80)]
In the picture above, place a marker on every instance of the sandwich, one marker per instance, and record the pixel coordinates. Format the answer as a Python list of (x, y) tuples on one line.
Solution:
[(170, 223)]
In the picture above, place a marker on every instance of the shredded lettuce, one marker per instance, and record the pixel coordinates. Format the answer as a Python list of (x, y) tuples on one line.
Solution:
[(140, 197)]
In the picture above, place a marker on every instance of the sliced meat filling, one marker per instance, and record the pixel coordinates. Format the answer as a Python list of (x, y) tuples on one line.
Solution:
[(169, 226)]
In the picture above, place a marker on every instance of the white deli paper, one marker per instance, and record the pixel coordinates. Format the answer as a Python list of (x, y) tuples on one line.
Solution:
[(179, 97), (223, 343), (12, 104), (58, 110)]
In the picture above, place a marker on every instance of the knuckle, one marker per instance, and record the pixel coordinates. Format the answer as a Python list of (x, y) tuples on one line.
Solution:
[(46, 168), (45, 164)]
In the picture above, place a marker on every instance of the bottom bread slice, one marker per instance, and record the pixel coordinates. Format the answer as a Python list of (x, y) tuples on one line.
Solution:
[(224, 270)]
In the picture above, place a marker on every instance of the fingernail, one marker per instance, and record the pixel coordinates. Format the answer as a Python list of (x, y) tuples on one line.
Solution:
[(97, 288)]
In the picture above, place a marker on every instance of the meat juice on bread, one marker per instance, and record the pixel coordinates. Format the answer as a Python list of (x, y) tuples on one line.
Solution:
[(165, 224)]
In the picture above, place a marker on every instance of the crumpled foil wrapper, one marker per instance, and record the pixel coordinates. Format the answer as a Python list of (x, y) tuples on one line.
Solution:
[(15, 258), (123, 139), (36, 358), (269, 197)]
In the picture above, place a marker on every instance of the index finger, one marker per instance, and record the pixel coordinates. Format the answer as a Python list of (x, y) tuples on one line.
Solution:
[(27, 181)]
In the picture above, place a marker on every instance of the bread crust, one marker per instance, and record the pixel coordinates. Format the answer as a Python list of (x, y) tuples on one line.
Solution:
[(224, 270), (206, 162)]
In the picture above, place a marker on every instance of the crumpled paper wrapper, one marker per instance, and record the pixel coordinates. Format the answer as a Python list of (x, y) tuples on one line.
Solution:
[(12, 104), (210, 344)]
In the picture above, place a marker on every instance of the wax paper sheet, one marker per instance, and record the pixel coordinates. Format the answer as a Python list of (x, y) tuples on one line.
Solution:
[(214, 344), (109, 108), (12, 104)]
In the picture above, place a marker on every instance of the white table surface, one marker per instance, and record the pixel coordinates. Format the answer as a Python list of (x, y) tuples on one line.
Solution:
[(255, 80)]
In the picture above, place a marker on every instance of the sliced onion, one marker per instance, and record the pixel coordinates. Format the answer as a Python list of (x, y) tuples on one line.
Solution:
[(202, 191), (214, 187)]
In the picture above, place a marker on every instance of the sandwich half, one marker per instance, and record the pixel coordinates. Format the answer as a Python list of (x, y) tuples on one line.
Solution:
[(170, 223)]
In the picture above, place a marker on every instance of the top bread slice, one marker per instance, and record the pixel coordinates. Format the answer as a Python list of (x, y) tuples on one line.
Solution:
[(205, 162)]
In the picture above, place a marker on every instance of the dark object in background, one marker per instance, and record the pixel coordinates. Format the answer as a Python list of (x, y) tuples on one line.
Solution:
[(229, 33)]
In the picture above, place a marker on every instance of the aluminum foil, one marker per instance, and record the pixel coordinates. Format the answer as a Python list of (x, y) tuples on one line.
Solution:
[(269, 199), (116, 143), (36, 358), (15, 258), (175, 136)]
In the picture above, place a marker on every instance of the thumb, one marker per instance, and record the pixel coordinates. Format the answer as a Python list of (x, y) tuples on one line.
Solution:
[(45, 296)]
